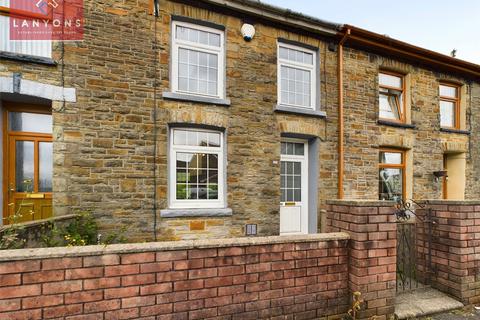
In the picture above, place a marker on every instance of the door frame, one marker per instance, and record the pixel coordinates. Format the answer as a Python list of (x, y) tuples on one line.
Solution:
[(304, 226), (6, 141)]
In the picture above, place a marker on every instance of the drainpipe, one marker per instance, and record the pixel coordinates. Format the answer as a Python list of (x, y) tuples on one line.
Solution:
[(340, 114)]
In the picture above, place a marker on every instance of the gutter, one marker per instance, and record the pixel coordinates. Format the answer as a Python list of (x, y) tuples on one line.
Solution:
[(277, 15), (371, 40)]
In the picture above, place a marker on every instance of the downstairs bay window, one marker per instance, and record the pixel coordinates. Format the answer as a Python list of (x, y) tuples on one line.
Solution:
[(196, 168)]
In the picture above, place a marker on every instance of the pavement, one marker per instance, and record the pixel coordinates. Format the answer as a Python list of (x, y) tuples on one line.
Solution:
[(467, 313), (428, 301)]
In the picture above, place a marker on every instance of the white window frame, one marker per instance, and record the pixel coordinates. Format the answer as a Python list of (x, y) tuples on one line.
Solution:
[(34, 48), (307, 67), (219, 51), (173, 150)]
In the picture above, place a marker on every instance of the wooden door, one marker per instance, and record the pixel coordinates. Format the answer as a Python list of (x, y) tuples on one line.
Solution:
[(28, 158)]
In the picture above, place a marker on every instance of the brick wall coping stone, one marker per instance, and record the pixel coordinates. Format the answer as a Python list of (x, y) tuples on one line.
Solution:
[(451, 202), (30, 224), (362, 203), (60, 252)]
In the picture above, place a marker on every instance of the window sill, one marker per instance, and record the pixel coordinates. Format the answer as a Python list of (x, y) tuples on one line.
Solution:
[(396, 124), (455, 131), (307, 112), (192, 98), (178, 213), (27, 58)]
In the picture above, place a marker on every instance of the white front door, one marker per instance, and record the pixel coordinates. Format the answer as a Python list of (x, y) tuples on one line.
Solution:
[(294, 187)]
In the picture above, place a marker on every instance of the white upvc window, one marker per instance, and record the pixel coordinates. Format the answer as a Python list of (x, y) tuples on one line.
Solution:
[(198, 60), (196, 168), (38, 48), (296, 76)]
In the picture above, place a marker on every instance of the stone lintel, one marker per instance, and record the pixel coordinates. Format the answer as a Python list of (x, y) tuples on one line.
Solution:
[(38, 89)]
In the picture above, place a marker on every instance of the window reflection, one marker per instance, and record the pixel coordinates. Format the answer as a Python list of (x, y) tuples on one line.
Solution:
[(391, 175), (30, 122), (24, 165)]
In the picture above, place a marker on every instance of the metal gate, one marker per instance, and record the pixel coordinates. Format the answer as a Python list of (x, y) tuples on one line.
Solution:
[(414, 245)]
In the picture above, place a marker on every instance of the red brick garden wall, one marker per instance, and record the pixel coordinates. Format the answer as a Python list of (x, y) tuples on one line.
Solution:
[(303, 277), (372, 263), (455, 267)]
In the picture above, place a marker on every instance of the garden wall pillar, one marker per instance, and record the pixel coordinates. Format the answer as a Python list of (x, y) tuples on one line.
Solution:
[(372, 254), (455, 260)]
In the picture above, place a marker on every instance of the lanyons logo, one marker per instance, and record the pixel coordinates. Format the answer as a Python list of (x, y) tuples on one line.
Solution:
[(46, 20)]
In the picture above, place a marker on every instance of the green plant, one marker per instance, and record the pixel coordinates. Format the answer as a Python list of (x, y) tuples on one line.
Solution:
[(10, 235), (82, 231), (51, 235), (113, 237), (356, 306)]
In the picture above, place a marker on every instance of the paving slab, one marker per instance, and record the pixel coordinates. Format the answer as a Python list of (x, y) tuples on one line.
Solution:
[(422, 302)]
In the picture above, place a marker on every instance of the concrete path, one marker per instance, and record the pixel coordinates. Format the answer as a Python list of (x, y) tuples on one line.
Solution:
[(424, 302), (467, 313)]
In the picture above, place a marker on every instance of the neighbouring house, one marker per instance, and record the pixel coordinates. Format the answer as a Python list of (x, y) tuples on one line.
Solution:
[(211, 119)]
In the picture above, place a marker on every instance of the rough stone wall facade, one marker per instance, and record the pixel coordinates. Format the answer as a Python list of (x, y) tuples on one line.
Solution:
[(425, 143), (103, 143), (253, 129), (266, 278)]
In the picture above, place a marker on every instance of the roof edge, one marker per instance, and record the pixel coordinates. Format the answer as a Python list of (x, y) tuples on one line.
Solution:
[(276, 14), (407, 50)]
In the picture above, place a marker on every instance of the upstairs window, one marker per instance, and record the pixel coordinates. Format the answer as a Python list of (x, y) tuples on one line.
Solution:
[(449, 106), (296, 76), (196, 168), (391, 97), (391, 175), (198, 57), (38, 48)]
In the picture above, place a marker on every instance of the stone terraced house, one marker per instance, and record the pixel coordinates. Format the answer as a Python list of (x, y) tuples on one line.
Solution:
[(209, 119)]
